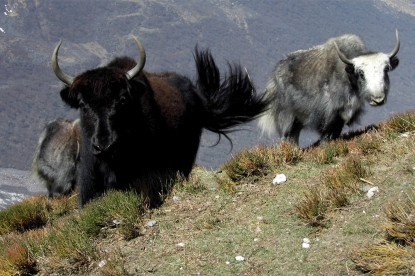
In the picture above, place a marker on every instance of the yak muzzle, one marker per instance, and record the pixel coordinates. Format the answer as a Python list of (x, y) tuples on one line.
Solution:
[(100, 150), (374, 101)]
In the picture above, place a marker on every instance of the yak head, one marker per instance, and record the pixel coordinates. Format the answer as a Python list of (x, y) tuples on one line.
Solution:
[(368, 73), (106, 99)]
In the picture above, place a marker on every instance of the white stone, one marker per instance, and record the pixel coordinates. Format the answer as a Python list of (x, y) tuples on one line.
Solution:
[(306, 245), (151, 223), (176, 198), (180, 244), (372, 191), (306, 240), (280, 178), (102, 263), (240, 258)]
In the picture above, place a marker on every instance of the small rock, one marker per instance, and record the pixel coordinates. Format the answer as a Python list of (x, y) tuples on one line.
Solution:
[(180, 244), (280, 178), (239, 258), (371, 192), (102, 264), (306, 245), (227, 262), (176, 198), (151, 223)]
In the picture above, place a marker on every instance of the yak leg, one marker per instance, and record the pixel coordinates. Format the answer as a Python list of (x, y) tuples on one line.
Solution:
[(290, 130), (333, 131), (90, 181)]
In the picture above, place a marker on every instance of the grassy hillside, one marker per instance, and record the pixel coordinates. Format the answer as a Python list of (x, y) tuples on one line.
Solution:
[(347, 207)]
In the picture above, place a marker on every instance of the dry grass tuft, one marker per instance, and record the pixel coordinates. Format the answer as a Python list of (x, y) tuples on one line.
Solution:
[(254, 162), (69, 239), (34, 213), (386, 259), (337, 186), (261, 160), (327, 153), (396, 255), (313, 207), (401, 225), (18, 255), (225, 184), (193, 185), (28, 214), (368, 143), (400, 124), (288, 154)]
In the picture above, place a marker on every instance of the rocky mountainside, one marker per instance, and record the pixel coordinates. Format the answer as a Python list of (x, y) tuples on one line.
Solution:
[(255, 34)]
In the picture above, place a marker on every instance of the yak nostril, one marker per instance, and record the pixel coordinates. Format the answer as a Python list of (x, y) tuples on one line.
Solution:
[(96, 149), (99, 149)]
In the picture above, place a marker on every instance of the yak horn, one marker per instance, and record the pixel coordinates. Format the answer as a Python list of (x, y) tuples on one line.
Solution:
[(342, 56), (68, 80), (397, 46), (137, 69)]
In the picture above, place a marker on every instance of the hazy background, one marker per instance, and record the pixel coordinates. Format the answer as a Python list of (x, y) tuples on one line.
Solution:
[(255, 34)]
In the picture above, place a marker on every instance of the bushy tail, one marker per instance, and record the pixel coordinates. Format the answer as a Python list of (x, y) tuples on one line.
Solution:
[(228, 103)]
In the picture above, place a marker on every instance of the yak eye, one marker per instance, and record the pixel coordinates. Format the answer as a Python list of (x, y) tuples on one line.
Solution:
[(123, 101), (387, 68), (361, 74), (81, 104)]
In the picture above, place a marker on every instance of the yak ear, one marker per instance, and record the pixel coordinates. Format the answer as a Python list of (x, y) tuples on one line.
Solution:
[(394, 62), (69, 97), (350, 69), (138, 88)]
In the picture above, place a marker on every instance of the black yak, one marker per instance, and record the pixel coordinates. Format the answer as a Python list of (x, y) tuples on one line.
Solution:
[(57, 155), (325, 87), (142, 130)]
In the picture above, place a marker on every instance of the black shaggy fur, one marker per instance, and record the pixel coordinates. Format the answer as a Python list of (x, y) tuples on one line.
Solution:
[(148, 128)]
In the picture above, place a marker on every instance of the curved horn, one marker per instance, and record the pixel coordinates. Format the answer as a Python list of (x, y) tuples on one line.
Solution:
[(342, 56), (68, 80), (137, 69), (397, 46)]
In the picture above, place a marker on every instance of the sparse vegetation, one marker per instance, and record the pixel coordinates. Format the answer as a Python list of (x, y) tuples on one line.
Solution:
[(212, 217)]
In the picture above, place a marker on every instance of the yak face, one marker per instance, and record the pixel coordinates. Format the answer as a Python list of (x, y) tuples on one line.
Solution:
[(109, 104), (108, 108), (369, 75)]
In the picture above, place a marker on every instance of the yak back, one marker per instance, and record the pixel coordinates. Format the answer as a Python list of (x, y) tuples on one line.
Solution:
[(175, 98), (172, 95), (311, 70), (56, 156), (59, 136)]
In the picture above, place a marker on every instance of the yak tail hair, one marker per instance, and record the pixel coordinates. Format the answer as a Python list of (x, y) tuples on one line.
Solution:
[(228, 102)]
